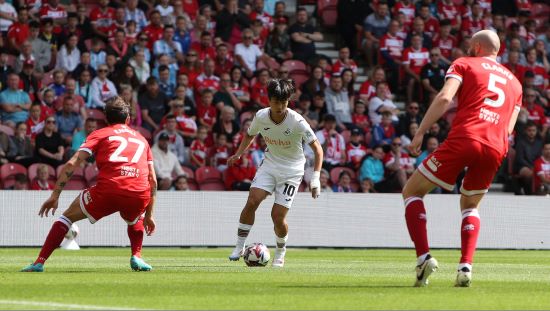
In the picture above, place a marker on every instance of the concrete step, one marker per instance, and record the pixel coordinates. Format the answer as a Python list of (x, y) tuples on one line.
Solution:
[(361, 78), (324, 45), (329, 53)]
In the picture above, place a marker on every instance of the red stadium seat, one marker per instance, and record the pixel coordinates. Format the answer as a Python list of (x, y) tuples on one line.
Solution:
[(7, 130), (295, 65), (346, 134), (207, 174), (189, 172), (335, 173), (34, 167), (270, 64), (8, 172), (328, 12), (212, 186), (98, 115), (540, 9), (90, 175)]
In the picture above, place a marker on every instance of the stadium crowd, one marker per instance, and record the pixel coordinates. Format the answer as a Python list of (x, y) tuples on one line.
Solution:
[(194, 73)]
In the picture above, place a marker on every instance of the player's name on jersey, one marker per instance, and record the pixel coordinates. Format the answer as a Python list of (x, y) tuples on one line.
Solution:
[(500, 69)]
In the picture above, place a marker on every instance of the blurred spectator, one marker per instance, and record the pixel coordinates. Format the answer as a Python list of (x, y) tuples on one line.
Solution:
[(344, 183), (25, 57), (141, 46), (258, 93), (325, 181), (383, 133), (141, 66), (84, 22), (126, 75), (375, 25), (14, 102), (119, 47), (391, 48), (367, 186), (446, 9), (175, 142), (227, 124), (41, 50), (7, 148), (153, 104), (223, 61), (541, 76), (133, 13), (372, 167), (207, 80), (541, 172), (180, 184), (188, 102), (348, 85), (351, 15), (355, 150), (514, 46), (68, 56), (8, 16), (230, 22), (398, 164), (431, 24), (200, 33), (68, 122), (58, 84), (380, 104), (545, 37), (97, 55), (79, 106), (167, 45), (18, 32), (225, 97), (239, 176), (154, 29), (50, 37), (411, 115), (41, 181), (431, 145), (407, 137), (84, 87), (165, 84), (219, 153), (432, 74), (536, 112), (337, 102), (23, 145), (514, 65), (419, 30), (359, 117), (414, 58), (528, 148), (5, 69), (191, 66), (166, 11), (28, 81), (277, 44), (247, 53), (84, 64), (21, 181), (474, 22), (79, 138), (49, 145), (344, 62), (303, 37), (166, 162), (127, 93), (445, 41), (35, 122), (334, 145), (207, 113), (198, 152), (102, 19), (542, 55), (101, 88), (182, 35), (315, 83), (368, 88)]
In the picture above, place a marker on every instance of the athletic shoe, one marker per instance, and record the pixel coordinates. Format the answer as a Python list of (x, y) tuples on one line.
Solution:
[(424, 270), (463, 277), (138, 264), (33, 268), (279, 257), (237, 253)]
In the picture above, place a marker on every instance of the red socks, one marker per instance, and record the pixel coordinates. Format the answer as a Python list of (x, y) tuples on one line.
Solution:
[(469, 233), (415, 215), (135, 233), (54, 238)]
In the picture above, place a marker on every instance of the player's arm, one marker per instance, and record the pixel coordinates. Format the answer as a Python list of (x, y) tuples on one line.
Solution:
[(440, 104), (64, 176), (513, 120), (245, 143), (148, 221), (315, 183)]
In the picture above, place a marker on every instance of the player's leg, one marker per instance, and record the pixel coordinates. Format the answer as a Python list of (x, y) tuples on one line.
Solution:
[(278, 215), (132, 210), (255, 196), (56, 235)]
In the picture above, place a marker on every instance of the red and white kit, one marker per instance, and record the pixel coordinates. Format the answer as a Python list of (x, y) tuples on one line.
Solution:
[(123, 157), (488, 95)]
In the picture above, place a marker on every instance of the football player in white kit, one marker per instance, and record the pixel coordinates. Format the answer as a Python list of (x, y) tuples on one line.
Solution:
[(281, 172)]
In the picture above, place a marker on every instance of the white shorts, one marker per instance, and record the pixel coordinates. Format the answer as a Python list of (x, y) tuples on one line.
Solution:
[(284, 185)]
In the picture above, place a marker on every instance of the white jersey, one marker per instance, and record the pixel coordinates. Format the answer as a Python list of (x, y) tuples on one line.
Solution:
[(284, 140)]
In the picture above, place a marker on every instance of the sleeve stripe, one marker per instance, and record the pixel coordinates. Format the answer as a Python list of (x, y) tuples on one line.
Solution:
[(459, 78), (86, 150), (149, 162), (517, 108)]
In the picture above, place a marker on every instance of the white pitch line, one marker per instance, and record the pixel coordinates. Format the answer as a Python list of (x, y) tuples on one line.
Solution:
[(59, 305)]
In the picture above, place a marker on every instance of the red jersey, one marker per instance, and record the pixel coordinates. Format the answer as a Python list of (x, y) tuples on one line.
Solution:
[(47, 11), (536, 114), (518, 70), (219, 156), (431, 26), (259, 94), (199, 150), (488, 96), (266, 19), (203, 52), (541, 167), (154, 33), (355, 154), (35, 128), (416, 59), (406, 163), (407, 10), (470, 26), (19, 32), (361, 120), (339, 66), (540, 75), (208, 114), (103, 20), (367, 89), (448, 11), (203, 82), (192, 73), (123, 157), (446, 45), (524, 5), (392, 45), (37, 185)]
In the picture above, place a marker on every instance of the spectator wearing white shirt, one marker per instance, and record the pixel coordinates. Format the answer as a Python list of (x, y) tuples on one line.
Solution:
[(168, 46), (248, 53), (133, 13), (68, 56), (175, 141), (141, 66), (101, 88), (381, 103), (166, 162), (166, 12), (8, 15)]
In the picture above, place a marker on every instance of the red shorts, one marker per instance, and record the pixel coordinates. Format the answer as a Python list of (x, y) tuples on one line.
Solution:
[(443, 166), (96, 205)]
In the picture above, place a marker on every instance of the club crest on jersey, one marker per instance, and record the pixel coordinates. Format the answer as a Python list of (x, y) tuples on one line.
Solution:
[(287, 132)]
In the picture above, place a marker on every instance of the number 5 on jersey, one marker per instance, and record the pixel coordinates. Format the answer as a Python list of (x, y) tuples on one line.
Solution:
[(116, 156), (493, 87)]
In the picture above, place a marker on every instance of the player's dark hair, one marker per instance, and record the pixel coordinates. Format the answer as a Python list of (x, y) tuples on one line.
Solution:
[(117, 110), (280, 89)]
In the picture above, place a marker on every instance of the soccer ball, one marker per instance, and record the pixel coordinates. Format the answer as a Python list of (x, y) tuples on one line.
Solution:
[(256, 255), (72, 233)]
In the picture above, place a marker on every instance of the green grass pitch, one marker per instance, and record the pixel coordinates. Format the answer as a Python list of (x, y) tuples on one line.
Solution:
[(203, 278)]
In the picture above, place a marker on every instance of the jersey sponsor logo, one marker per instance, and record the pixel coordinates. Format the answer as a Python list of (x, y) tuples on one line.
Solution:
[(489, 116), (129, 171), (277, 142), (287, 132)]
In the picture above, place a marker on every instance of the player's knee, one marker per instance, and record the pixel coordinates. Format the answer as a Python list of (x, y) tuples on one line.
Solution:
[(277, 217), (253, 202)]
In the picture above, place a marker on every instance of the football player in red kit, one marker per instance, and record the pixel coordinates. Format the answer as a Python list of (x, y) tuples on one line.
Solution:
[(126, 184), (489, 100)]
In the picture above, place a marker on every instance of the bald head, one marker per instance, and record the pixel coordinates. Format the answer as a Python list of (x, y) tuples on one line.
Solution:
[(485, 43)]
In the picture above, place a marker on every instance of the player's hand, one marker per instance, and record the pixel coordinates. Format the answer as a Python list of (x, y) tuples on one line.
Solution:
[(315, 185), (415, 145), (149, 224), (50, 204), (233, 159)]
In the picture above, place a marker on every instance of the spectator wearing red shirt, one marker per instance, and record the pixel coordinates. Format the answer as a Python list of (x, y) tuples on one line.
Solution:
[(541, 172), (102, 19), (259, 14), (359, 116), (368, 88), (237, 138), (192, 67), (475, 22), (219, 153), (204, 48), (223, 61), (344, 62), (407, 8), (19, 31), (206, 111), (445, 41), (355, 150), (391, 47), (41, 181), (258, 93), (414, 58), (56, 12), (541, 76), (207, 80), (239, 176), (186, 126), (35, 122), (154, 30), (191, 7), (536, 112), (514, 66), (333, 143), (431, 24), (446, 9), (398, 164), (198, 151)]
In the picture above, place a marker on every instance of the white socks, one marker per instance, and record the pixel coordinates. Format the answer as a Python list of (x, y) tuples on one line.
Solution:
[(281, 242), (242, 234)]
